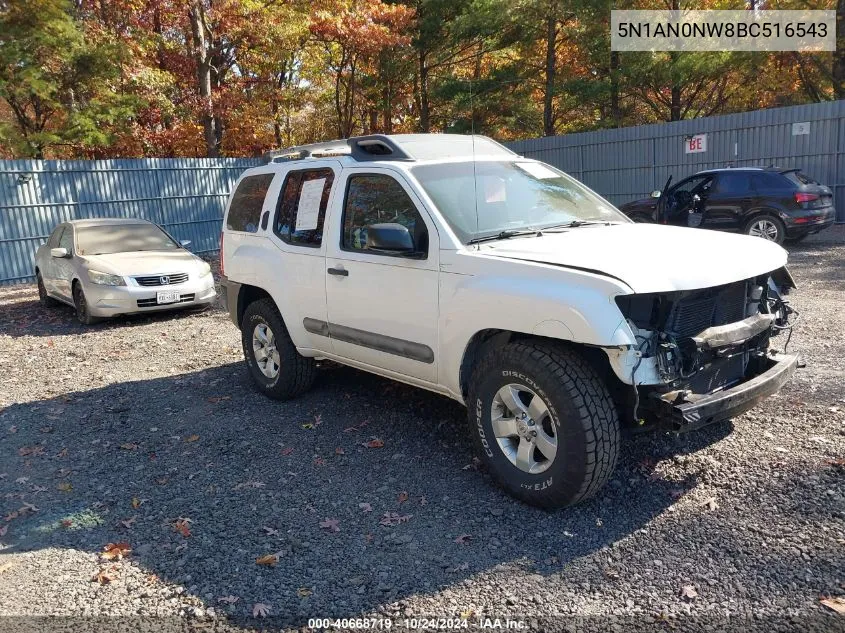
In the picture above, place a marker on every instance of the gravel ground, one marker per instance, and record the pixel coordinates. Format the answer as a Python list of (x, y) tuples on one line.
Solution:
[(146, 431)]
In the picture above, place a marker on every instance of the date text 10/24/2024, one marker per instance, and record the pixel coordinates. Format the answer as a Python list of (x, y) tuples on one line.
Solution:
[(416, 624)]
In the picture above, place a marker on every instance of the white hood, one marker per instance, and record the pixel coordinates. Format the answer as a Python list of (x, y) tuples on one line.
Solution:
[(650, 257), (144, 262)]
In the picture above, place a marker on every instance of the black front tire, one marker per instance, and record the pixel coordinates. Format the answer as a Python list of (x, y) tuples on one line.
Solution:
[(579, 405), (46, 300), (83, 311), (296, 373)]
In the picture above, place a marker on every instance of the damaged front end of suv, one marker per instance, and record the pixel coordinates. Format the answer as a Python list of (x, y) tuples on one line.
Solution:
[(705, 355)]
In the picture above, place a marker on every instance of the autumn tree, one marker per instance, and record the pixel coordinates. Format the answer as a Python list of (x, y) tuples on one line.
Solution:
[(58, 81)]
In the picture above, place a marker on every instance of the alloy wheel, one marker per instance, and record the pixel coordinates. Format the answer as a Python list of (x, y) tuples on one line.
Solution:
[(524, 428), (264, 348), (764, 228)]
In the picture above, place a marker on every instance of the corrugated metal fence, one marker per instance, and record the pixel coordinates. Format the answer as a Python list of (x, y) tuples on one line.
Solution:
[(185, 196), (629, 163)]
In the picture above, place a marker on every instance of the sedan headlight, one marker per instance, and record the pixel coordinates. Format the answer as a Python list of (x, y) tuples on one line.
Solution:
[(205, 271), (105, 279)]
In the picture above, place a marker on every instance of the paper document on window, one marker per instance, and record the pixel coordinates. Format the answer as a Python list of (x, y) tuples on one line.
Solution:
[(308, 211)]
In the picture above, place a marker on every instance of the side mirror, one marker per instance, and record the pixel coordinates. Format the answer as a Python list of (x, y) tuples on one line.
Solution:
[(185, 243), (59, 253), (655, 193), (389, 238)]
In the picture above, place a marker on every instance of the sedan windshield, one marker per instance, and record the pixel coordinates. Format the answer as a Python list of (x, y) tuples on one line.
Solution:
[(123, 238), (488, 198)]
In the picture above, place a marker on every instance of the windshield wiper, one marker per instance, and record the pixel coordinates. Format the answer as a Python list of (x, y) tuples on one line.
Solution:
[(576, 223), (503, 235)]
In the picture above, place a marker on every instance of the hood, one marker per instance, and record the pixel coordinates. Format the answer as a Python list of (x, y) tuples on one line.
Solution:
[(144, 262), (649, 257)]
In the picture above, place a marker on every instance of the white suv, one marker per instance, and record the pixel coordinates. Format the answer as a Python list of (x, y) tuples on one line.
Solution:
[(450, 263)]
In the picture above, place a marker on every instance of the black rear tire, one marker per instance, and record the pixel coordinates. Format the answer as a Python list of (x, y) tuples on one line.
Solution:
[(46, 300), (768, 220), (296, 373), (83, 312), (586, 422)]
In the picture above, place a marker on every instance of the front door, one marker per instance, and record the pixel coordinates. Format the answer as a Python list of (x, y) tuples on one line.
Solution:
[(63, 266), (382, 307)]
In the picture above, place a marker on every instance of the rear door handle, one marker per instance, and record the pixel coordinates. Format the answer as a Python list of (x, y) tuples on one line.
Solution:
[(339, 271)]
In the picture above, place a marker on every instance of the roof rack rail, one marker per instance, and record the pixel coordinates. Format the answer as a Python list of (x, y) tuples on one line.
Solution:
[(361, 148)]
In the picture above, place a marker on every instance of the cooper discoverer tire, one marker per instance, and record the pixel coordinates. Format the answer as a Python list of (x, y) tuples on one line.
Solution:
[(277, 369), (574, 420)]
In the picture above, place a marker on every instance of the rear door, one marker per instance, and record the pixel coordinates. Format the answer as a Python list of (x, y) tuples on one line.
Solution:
[(297, 232), (382, 309), (728, 202)]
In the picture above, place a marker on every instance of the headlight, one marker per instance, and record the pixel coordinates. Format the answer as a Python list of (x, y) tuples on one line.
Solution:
[(105, 279), (205, 271)]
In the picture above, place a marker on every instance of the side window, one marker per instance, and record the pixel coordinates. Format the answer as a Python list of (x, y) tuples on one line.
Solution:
[(66, 240), (245, 210), (374, 199), (738, 183), (765, 182), (301, 211), (696, 184), (55, 236)]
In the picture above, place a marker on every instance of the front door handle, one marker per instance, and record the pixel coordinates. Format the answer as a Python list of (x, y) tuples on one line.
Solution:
[(339, 271)]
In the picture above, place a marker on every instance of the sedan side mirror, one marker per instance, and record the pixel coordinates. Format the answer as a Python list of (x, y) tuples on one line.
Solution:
[(389, 238), (59, 253), (185, 243), (655, 193)]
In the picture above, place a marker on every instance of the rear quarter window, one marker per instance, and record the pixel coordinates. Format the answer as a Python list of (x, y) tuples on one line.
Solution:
[(769, 182), (245, 209), (800, 178)]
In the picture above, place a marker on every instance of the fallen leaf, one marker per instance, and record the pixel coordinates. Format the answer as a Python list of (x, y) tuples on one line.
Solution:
[(303, 592), (268, 560), (373, 443), (710, 502), (3, 530), (21, 480), (116, 551), (423, 501), (228, 599), (216, 399), (365, 507), (62, 453), (463, 539), (14, 514), (136, 503), (128, 446), (318, 420), (34, 451), (350, 429), (473, 465), (183, 527), (307, 426), (688, 593), (127, 523), (192, 438), (339, 451), (839, 461), (66, 523), (162, 481), (319, 462), (403, 497), (392, 519), (835, 604), (6, 566), (65, 486), (260, 610), (330, 524), (287, 451), (270, 531), (104, 577)]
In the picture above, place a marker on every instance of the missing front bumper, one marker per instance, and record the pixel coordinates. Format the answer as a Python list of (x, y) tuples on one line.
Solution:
[(688, 411)]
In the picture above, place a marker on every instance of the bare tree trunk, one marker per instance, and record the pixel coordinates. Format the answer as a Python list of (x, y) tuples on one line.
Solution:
[(425, 118), (551, 67), (839, 54), (202, 57), (675, 103), (615, 109)]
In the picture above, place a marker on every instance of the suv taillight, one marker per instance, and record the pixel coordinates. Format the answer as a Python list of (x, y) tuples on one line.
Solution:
[(222, 272), (800, 197)]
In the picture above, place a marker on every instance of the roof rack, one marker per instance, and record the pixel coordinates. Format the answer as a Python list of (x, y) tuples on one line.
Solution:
[(360, 148)]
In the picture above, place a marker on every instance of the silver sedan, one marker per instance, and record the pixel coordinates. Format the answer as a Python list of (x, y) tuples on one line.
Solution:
[(106, 267)]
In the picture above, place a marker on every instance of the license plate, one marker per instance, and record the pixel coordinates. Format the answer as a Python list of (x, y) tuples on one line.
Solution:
[(167, 296)]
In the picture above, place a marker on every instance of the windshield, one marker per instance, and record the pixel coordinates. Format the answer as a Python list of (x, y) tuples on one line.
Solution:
[(123, 238), (509, 196)]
